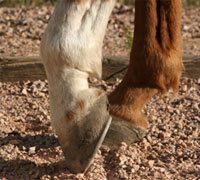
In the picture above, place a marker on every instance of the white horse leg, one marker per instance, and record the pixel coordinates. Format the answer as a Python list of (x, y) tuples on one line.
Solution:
[(71, 52)]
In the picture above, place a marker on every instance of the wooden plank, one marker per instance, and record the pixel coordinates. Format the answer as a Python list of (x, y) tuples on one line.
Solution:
[(31, 68), (21, 69), (192, 67)]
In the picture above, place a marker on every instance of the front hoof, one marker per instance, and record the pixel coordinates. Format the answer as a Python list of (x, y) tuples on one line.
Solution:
[(87, 137), (123, 131)]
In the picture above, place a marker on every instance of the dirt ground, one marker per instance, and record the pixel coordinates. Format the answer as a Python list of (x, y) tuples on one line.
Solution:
[(29, 148)]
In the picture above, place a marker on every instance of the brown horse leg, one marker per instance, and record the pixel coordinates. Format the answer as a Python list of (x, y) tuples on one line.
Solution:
[(155, 66)]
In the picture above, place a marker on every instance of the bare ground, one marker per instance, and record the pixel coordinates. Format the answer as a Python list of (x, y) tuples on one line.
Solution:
[(29, 149)]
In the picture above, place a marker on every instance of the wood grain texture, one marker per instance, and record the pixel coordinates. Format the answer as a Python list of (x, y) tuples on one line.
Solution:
[(22, 68)]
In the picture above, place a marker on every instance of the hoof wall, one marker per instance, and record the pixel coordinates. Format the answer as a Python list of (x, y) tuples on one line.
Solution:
[(123, 131), (87, 137)]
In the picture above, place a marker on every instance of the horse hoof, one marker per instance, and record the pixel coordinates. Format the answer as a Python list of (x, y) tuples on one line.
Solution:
[(123, 131), (87, 136)]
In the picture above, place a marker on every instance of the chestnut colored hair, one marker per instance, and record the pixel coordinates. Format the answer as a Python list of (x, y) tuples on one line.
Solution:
[(155, 60)]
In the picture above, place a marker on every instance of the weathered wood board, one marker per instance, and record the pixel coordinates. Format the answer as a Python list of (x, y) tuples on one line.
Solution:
[(31, 68), (21, 69)]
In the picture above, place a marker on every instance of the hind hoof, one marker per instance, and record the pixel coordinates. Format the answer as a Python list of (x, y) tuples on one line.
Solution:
[(123, 131)]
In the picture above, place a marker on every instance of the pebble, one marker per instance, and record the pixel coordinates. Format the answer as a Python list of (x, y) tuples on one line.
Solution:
[(24, 92), (161, 135), (151, 163), (32, 150), (2, 121), (198, 81), (184, 88)]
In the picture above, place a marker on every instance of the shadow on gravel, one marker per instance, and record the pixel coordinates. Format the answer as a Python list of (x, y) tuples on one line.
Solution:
[(38, 141), (25, 169), (19, 169)]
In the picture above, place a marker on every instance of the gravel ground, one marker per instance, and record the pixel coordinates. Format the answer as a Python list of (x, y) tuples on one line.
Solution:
[(23, 27), (29, 148)]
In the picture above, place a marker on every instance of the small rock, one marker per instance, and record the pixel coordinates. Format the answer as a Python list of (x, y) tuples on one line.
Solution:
[(161, 135), (136, 167), (24, 92), (1, 114), (32, 150), (123, 159), (149, 138), (146, 145), (23, 148), (179, 125), (45, 177), (198, 81), (151, 163), (2, 121), (184, 88), (186, 27), (80, 175), (6, 131), (195, 133)]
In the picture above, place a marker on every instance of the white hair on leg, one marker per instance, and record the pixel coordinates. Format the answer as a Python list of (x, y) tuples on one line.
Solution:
[(71, 52)]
